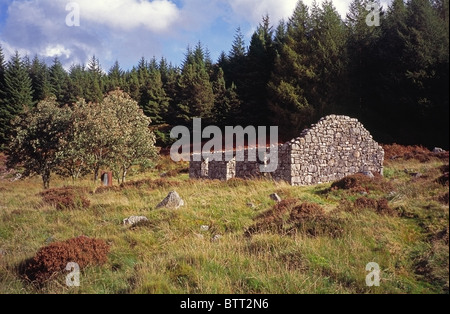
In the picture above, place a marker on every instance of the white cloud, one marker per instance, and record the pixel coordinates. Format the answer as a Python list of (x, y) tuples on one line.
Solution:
[(57, 50), (254, 10), (156, 15)]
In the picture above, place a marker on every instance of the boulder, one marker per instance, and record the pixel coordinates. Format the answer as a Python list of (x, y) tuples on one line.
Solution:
[(438, 150), (173, 200), (134, 220), (368, 174), (275, 197)]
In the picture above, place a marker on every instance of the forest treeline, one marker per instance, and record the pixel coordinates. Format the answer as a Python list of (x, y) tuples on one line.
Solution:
[(394, 77)]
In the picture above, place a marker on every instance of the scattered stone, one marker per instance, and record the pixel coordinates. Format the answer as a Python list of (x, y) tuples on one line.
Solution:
[(416, 175), (134, 220), (438, 150), (2, 252), (364, 193), (275, 197), (49, 240), (173, 200), (204, 228), (368, 174), (17, 177), (216, 238), (251, 205), (199, 236)]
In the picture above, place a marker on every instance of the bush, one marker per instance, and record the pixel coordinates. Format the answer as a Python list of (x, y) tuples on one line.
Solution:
[(65, 198), (361, 183), (289, 217), (53, 259)]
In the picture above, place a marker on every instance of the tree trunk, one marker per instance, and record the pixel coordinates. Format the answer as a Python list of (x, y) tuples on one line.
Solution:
[(96, 171), (46, 179)]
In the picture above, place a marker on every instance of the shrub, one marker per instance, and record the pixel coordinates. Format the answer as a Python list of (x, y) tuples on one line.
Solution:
[(361, 183), (65, 198), (289, 217), (53, 259), (365, 202)]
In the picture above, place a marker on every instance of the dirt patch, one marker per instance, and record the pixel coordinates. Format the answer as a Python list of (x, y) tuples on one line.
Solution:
[(66, 198), (51, 260), (361, 183), (291, 217)]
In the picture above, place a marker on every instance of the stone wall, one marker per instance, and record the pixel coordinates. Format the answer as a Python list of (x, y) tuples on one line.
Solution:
[(335, 147)]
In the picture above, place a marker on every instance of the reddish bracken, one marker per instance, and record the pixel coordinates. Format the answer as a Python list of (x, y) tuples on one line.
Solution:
[(53, 259), (65, 198), (290, 216), (361, 183)]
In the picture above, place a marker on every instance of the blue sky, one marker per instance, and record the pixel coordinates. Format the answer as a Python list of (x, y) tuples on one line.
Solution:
[(126, 30)]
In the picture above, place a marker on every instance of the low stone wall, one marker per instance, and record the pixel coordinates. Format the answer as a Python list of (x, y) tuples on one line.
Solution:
[(335, 147)]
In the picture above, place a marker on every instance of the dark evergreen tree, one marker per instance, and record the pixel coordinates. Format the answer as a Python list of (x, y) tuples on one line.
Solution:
[(59, 83), (40, 80), (292, 77), (18, 95), (115, 78), (258, 69), (195, 93)]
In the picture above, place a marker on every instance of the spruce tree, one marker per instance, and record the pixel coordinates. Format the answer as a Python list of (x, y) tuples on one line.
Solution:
[(292, 77), (59, 82), (18, 95), (40, 79)]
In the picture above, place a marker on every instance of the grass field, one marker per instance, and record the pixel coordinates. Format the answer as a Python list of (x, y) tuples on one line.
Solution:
[(171, 254)]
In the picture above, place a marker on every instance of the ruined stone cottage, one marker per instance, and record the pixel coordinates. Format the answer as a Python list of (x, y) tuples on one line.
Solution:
[(335, 147)]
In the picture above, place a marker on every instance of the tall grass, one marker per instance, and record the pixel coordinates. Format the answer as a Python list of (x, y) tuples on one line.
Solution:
[(171, 254)]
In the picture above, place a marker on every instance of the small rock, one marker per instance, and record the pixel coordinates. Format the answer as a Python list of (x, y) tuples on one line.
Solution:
[(438, 150), (364, 193), (2, 252), (17, 177), (368, 174), (417, 175), (173, 200), (134, 220), (216, 238), (199, 236), (275, 197), (251, 205), (204, 228), (49, 240)]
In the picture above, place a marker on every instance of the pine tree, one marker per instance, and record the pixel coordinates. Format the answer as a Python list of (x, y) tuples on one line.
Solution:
[(226, 104), (115, 78), (195, 93), (363, 64), (157, 102), (328, 40), (59, 82), (40, 79), (259, 66), (94, 92), (292, 77), (2, 75), (18, 95)]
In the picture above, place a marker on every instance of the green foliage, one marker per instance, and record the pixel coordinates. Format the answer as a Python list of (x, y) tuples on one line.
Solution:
[(36, 142), (18, 95), (74, 141)]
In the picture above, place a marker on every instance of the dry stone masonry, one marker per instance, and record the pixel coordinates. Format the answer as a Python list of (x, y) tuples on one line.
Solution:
[(335, 147)]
